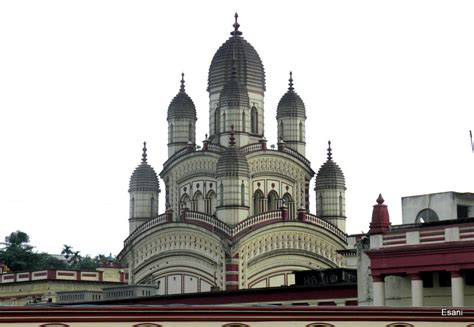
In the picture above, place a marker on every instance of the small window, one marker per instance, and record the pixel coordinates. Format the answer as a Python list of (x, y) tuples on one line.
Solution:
[(426, 216)]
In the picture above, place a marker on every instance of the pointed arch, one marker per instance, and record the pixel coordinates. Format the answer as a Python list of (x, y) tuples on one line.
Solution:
[(258, 199), (211, 202), (254, 120), (152, 206), (171, 133), (198, 202), (217, 118), (281, 134), (243, 122), (221, 195), (224, 123), (272, 200), (242, 194), (190, 132), (300, 130), (287, 200), (132, 208), (185, 201)]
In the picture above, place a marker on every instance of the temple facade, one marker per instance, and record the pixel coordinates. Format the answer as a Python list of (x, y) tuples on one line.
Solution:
[(237, 212)]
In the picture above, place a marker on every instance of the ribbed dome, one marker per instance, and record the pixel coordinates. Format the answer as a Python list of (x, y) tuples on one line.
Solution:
[(330, 175), (181, 106), (144, 177), (249, 67), (234, 94), (290, 104), (232, 161)]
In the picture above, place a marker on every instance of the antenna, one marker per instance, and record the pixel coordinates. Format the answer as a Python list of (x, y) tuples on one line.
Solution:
[(472, 144)]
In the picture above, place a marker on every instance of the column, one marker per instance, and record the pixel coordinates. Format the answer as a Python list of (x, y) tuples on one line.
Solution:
[(457, 289), (379, 290), (416, 290)]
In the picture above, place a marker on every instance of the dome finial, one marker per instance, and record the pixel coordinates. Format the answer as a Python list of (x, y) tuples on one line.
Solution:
[(236, 26), (231, 138), (181, 89), (144, 153), (380, 199), (329, 151), (290, 88)]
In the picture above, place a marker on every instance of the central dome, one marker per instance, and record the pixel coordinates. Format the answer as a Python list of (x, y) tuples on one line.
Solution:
[(248, 65)]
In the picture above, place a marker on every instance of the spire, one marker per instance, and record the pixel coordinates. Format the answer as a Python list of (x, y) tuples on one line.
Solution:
[(232, 138), (290, 88), (329, 151), (181, 89), (144, 153), (236, 26), (380, 218)]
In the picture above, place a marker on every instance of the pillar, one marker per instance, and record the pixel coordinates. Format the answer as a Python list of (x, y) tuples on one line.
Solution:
[(457, 289), (379, 290), (416, 290)]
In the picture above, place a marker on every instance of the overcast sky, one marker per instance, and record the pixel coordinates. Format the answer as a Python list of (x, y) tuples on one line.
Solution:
[(84, 83)]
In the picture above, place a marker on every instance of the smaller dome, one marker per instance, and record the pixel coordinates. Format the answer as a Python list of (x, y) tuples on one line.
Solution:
[(330, 175), (290, 104), (232, 161), (233, 93), (181, 106), (144, 177)]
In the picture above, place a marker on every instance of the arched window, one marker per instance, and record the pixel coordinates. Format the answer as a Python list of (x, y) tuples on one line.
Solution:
[(171, 131), (254, 120), (217, 118), (152, 206), (190, 132), (301, 132), (281, 135), (341, 207), (243, 122), (272, 199), (242, 194), (289, 203), (426, 215), (257, 202), (211, 202), (132, 208), (198, 202), (224, 123), (184, 202), (221, 191)]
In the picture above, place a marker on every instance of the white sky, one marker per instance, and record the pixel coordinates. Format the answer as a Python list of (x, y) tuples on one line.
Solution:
[(84, 83)]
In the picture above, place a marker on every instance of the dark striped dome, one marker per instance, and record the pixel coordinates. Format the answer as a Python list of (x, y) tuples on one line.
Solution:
[(144, 177), (290, 104), (249, 67), (181, 106), (234, 94), (232, 161), (330, 175)]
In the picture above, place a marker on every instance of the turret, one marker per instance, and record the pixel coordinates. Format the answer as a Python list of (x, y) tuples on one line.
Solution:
[(331, 193), (232, 184), (291, 119), (237, 53), (143, 189), (181, 121), (234, 111)]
